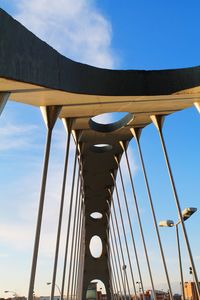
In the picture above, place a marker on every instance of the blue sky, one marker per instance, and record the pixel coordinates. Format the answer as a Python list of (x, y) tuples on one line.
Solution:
[(154, 34), (112, 34)]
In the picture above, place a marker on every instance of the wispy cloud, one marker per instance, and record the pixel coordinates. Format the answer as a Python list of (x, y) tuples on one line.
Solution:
[(17, 235), (3, 255), (20, 232), (76, 29), (14, 137)]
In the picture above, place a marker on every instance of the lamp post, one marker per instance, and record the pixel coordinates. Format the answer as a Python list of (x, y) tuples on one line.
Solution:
[(48, 283), (124, 269), (139, 285), (191, 272), (186, 214)]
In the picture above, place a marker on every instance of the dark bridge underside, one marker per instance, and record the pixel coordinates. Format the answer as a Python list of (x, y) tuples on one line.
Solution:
[(41, 65), (34, 73)]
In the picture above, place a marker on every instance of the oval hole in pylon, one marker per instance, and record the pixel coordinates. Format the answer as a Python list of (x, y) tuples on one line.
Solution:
[(96, 246), (96, 215)]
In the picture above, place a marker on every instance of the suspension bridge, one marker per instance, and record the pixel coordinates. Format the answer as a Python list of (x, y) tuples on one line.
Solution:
[(33, 73)]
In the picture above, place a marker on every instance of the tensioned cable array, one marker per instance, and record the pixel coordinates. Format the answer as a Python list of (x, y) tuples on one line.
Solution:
[(123, 261), (77, 92), (122, 250)]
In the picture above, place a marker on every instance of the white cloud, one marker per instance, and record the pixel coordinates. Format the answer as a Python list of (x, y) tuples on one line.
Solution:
[(14, 137), (75, 28), (197, 257), (3, 255), (17, 235)]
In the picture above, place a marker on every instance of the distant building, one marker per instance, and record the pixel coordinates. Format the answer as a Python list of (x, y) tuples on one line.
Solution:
[(177, 297), (190, 291), (15, 298), (48, 298), (55, 298), (148, 295)]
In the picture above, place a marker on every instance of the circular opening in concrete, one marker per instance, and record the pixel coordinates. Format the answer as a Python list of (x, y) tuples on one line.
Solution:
[(96, 246), (100, 148), (110, 122), (96, 215), (95, 287)]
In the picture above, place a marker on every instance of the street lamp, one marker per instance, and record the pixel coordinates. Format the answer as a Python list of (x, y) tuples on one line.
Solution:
[(139, 285), (48, 283), (124, 269), (186, 214)]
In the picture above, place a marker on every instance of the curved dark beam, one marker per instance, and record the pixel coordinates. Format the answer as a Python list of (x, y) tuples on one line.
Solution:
[(25, 58)]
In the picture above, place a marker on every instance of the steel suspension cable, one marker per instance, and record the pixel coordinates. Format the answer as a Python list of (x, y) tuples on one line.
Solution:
[(132, 235), (83, 252), (110, 282), (115, 246), (83, 196), (124, 233), (73, 232), (114, 284), (139, 223), (121, 248), (77, 257), (158, 121), (79, 270), (69, 224), (112, 267), (114, 277), (61, 209), (111, 278), (80, 221), (114, 255), (80, 178), (81, 255), (120, 244), (74, 261), (180, 262), (40, 212), (50, 115), (136, 136)]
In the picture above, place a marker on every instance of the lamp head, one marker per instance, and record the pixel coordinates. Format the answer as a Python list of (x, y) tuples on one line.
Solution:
[(166, 223), (188, 212)]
